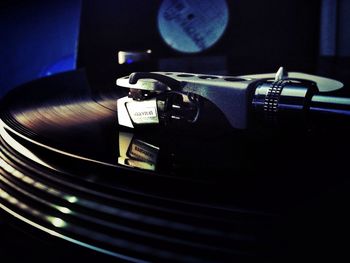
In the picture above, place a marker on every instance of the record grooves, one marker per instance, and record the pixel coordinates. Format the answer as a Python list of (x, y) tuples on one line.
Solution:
[(59, 174), (160, 147)]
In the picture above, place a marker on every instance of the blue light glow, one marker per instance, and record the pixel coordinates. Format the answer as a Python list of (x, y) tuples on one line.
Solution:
[(64, 64), (129, 61)]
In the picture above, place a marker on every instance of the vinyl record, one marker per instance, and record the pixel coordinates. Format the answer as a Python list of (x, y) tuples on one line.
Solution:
[(68, 170), (60, 174)]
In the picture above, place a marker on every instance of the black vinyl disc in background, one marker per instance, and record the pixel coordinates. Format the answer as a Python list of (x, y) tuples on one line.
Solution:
[(249, 36)]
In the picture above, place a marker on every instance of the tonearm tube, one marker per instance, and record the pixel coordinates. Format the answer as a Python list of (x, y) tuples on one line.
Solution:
[(160, 98)]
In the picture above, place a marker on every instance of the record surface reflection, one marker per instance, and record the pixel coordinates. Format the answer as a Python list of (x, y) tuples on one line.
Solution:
[(68, 170)]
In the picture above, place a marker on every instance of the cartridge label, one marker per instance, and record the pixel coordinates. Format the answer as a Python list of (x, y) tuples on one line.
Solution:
[(143, 112)]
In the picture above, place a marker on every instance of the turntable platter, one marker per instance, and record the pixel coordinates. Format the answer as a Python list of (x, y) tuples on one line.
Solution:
[(66, 169)]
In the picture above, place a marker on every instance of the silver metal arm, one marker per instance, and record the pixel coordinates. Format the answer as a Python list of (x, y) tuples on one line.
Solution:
[(152, 95)]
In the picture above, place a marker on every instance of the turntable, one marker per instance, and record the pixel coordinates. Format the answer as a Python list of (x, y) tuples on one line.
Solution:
[(70, 174)]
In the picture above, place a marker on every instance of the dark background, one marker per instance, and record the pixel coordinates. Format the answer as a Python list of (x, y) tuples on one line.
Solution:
[(39, 38), (260, 37)]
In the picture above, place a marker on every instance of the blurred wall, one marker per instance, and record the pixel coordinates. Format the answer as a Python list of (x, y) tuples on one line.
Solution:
[(334, 58), (335, 28), (37, 38)]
